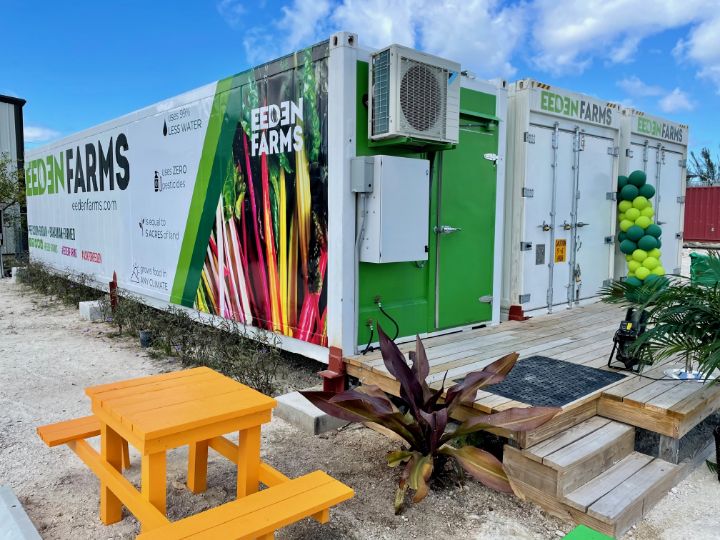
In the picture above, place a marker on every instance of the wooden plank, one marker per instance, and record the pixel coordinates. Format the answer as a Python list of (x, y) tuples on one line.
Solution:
[(672, 397), (183, 416), (555, 507), (595, 460), (645, 418), (100, 388), (520, 468), (147, 514), (260, 513), (623, 505), (583, 449), (596, 488), (186, 386), (638, 398), (69, 430), (564, 420), (539, 451)]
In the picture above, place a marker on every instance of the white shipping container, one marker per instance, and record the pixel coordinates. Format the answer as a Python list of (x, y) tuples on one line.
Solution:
[(559, 207), (658, 147)]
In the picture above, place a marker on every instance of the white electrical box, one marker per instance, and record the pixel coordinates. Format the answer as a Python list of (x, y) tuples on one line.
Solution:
[(394, 215)]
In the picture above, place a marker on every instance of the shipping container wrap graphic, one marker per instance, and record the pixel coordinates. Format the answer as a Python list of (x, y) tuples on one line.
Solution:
[(215, 199)]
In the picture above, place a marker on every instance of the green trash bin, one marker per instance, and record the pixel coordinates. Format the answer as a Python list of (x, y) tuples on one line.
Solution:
[(700, 269)]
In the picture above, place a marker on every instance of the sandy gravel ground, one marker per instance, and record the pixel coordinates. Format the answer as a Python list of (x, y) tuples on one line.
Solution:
[(48, 356)]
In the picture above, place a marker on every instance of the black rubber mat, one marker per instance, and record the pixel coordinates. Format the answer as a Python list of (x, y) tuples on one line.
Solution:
[(539, 380)]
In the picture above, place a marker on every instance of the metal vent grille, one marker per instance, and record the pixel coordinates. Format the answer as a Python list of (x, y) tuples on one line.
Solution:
[(423, 94), (381, 93)]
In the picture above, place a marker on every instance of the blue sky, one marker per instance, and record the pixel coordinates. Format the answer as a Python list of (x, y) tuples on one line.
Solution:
[(80, 63)]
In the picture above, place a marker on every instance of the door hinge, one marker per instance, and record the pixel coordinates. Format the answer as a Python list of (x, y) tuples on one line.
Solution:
[(628, 153), (681, 199), (609, 239), (492, 157), (682, 163), (529, 137), (607, 282), (525, 246), (611, 196), (613, 151), (676, 271), (679, 235), (528, 192), (487, 299), (524, 298)]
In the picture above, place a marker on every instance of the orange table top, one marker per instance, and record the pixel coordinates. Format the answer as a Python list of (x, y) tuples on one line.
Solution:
[(170, 403)]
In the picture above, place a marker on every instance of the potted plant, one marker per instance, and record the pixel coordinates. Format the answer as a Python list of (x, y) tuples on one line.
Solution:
[(422, 419), (684, 320)]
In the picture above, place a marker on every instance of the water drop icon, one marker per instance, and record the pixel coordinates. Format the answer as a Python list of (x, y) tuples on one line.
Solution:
[(164, 128)]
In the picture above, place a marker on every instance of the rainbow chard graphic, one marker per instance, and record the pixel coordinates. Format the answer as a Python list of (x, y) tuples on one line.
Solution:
[(267, 255)]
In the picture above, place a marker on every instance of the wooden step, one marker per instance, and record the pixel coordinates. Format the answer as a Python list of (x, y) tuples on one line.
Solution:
[(623, 494), (584, 451)]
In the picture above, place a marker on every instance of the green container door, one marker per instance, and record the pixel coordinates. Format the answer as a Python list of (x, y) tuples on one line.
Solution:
[(446, 290), (466, 202)]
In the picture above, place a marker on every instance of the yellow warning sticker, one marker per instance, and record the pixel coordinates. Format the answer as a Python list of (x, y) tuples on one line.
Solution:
[(560, 251)]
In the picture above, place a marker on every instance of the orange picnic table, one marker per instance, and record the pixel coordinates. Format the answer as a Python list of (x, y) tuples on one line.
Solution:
[(195, 407)]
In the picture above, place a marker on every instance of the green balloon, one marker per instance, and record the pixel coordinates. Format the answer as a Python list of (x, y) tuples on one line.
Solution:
[(651, 263), (624, 206), (633, 266), (639, 255), (642, 273), (628, 246), (633, 281), (640, 202), (632, 214), (629, 193), (653, 230), (635, 233), (659, 243), (622, 236), (643, 222), (647, 211), (637, 178), (622, 181), (625, 224), (654, 253), (647, 243), (652, 278), (647, 191), (658, 271)]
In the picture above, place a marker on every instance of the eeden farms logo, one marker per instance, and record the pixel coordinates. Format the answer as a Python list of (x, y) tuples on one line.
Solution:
[(275, 128)]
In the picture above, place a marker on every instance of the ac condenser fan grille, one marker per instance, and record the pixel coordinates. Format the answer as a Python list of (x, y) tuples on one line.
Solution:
[(422, 97)]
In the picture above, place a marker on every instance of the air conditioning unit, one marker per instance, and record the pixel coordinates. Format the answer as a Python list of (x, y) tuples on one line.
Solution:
[(413, 94)]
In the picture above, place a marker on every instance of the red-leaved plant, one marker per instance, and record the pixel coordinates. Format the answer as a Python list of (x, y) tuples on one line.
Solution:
[(424, 427)]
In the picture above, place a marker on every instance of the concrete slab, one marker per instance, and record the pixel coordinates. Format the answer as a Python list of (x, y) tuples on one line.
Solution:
[(91, 310), (14, 522), (297, 410)]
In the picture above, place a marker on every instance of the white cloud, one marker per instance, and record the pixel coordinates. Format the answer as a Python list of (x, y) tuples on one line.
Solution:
[(35, 134), (232, 11), (637, 88), (676, 101), (568, 34), (702, 47), (481, 34)]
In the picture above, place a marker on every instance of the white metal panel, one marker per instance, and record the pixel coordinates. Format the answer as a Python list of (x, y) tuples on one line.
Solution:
[(8, 141), (397, 211), (594, 254), (668, 209)]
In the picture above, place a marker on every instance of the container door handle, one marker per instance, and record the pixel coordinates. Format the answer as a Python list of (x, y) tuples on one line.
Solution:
[(446, 229), (582, 224)]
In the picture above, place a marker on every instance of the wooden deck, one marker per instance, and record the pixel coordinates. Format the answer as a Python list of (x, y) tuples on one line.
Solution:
[(582, 465), (582, 335)]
